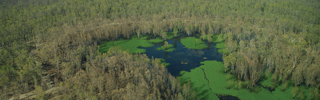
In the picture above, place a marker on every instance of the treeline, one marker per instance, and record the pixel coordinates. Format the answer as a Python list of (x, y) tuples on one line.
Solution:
[(281, 36), (120, 75), (34, 19)]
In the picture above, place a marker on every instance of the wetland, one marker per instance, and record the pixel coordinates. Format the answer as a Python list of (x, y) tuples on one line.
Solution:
[(199, 61), (68, 49)]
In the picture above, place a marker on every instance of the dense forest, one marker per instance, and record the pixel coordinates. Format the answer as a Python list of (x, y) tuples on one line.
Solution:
[(49, 48)]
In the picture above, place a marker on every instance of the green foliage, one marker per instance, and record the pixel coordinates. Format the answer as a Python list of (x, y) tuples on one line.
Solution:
[(302, 95), (316, 93), (157, 40), (166, 47), (219, 38), (236, 85), (199, 83), (144, 37), (39, 93), (175, 31), (295, 91), (229, 84), (57, 15), (311, 94), (130, 45), (171, 35), (164, 35), (161, 59), (189, 42), (163, 62), (220, 45), (25, 24), (313, 39), (219, 83), (203, 37), (170, 49), (285, 85), (165, 44)]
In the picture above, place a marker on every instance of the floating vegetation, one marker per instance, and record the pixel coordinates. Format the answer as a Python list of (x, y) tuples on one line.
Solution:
[(164, 63), (193, 43), (157, 40), (199, 83), (220, 45), (218, 82), (171, 35), (59, 37), (170, 50), (131, 45), (166, 47)]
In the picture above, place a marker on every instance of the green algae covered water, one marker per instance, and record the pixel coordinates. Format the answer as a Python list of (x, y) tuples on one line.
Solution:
[(200, 62), (180, 56)]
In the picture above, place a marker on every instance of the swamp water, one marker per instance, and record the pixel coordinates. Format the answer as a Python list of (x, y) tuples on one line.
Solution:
[(182, 58), (202, 65)]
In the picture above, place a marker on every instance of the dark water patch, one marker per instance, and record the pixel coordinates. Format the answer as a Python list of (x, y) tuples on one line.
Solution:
[(227, 97), (182, 58), (185, 59)]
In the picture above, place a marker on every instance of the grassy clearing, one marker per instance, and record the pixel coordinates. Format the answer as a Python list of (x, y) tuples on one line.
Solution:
[(131, 45), (190, 42)]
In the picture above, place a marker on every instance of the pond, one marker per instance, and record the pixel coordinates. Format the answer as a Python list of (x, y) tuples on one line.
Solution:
[(199, 61), (182, 58), (178, 56)]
